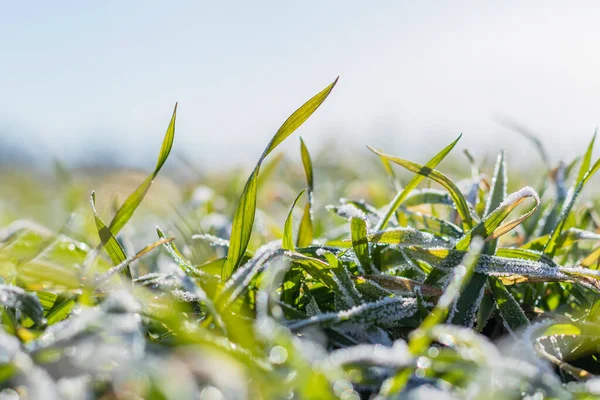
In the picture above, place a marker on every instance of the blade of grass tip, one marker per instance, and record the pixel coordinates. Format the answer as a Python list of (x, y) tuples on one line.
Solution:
[(401, 196), (305, 230), (582, 178), (474, 168), (287, 242), (243, 219), (529, 135), (419, 341), (426, 171), (468, 303), (134, 200)]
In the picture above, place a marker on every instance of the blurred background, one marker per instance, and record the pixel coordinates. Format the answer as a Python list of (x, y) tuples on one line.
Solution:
[(96, 81), (87, 91)]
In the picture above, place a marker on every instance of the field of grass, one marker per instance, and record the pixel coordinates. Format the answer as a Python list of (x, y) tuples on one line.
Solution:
[(320, 278)]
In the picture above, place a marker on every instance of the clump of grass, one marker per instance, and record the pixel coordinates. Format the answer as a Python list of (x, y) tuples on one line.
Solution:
[(463, 291)]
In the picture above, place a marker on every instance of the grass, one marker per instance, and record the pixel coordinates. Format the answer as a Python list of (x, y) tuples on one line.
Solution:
[(413, 284)]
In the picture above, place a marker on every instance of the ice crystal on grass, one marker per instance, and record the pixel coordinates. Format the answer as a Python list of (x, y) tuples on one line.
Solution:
[(386, 312), (212, 240), (348, 211)]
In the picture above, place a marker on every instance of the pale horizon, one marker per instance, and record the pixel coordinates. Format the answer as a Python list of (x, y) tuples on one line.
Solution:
[(105, 76)]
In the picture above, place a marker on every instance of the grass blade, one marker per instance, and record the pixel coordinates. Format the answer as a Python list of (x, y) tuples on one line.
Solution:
[(111, 245), (401, 196), (305, 230), (133, 201), (360, 244), (551, 246), (243, 220), (427, 171), (287, 242)]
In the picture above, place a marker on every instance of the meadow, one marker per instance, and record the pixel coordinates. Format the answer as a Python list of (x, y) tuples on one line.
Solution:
[(308, 277)]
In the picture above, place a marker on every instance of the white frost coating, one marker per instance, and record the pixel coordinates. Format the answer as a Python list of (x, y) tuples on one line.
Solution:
[(396, 356), (427, 392), (186, 296), (556, 347), (121, 301), (407, 236), (464, 339), (384, 312), (348, 299), (265, 250), (320, 252), (472, 312), (348, 211), (526, 191), (212, 240)]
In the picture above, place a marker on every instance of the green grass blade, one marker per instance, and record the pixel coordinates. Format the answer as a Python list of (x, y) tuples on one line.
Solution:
[(401, 196), (305, 230), (489, 227), (241, 228), (243, 220), (298, 118), (133, 201), (360, 244), (287, 242), (551, 246), (427, 171), (586, 161), (511, 312), (111, 245), (467, 305)]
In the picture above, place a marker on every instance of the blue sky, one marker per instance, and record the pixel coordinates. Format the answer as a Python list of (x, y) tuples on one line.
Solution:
[(77, 75)]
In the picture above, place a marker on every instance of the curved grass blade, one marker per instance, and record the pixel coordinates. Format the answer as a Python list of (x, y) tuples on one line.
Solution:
[(287, 242), (305, 230), (551, 246), (401, 196), (427, 171), (489, 227), (243, 220), (133, 201), (529, 135)]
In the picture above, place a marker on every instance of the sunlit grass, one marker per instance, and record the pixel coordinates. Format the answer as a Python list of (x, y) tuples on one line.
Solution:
[(417, 282)]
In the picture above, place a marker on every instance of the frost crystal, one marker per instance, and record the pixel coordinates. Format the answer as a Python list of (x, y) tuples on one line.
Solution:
[(387, 312)]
